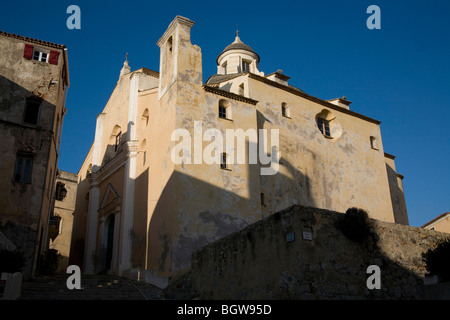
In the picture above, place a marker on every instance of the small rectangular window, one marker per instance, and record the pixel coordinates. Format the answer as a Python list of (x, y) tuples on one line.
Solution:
[(222, 112), (245, 66), (263, 201), (324, 127), (223, 161), (373, 142), (118, 137), (22, 172), (32, 109), (224, 66), (40, 55)]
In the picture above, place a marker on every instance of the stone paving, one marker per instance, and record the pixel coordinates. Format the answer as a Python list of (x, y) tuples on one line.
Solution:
[(92, 288)]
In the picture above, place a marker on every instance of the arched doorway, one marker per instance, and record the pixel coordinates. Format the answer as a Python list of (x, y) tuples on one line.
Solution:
[(109, 241)]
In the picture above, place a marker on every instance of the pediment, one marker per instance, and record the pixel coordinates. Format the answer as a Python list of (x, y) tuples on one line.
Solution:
[(110, 196)]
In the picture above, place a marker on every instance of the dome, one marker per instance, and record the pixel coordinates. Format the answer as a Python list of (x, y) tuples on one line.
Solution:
[(238, 45)]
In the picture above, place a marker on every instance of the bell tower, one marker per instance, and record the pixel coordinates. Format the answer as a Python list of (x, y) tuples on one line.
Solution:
[(179, 59)]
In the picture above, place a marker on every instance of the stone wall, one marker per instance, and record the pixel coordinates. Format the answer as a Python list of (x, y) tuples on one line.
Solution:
[(64, 208), (301, 253)]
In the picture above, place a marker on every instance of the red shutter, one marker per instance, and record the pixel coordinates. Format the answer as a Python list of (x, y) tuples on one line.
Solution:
[(53, 57), (28, 52)]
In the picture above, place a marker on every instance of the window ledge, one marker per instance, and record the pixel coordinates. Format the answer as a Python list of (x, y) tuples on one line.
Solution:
[(225, 119), (21, 182), (31, 125)]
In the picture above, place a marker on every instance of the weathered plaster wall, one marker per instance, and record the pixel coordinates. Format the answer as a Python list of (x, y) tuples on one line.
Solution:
[(192, 204), (213, 202), (77, 244), (259, 263), (327, 173), (65, 209), (116, 114), (28, 205), (397, 193), (441, 223)]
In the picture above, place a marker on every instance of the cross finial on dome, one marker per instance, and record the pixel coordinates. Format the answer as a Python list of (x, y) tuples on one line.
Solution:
[(237, 40)]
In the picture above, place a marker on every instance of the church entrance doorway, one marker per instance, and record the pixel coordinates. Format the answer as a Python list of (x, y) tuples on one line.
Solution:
[(109, 241)]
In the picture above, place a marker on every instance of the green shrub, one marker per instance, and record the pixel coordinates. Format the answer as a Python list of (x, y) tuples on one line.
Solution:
[(11, 261), (355, 224), (438, 260)]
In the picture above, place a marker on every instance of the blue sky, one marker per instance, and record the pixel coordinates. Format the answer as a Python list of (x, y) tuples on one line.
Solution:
[(399, 74)]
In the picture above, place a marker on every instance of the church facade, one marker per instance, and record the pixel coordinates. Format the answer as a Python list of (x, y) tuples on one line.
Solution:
[(142, 214)]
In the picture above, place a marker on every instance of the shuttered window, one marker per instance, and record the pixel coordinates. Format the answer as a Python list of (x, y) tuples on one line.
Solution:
[(28, 51), (42, 55), (53, 57)]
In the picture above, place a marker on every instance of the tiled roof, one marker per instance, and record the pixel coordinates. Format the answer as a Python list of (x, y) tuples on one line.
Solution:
[(216, 79), (435, 219), (219, 78), (149, 72), (238, 45), (32, 40)]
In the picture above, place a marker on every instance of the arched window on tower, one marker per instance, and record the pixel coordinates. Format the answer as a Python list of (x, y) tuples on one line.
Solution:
[(285, 110), (170, 45), (143, 151), (116, 137), (144, 119), (224, 67), (224, 109), (245, 66)]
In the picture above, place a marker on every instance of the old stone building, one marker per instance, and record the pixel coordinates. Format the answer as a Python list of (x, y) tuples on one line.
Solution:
[(149, 195), (61, 220), (34, 78), (440, 223)]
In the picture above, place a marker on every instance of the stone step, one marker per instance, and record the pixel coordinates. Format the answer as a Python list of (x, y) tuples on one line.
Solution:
[(92, 287)]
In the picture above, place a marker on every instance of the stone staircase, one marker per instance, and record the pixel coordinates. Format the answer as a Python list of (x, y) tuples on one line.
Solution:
[(99, 287)]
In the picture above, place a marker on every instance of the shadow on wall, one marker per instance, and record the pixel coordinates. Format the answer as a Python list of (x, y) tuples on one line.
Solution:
[(397, 197), (191, 213), (302, 253), (114, 149), (26, 129)]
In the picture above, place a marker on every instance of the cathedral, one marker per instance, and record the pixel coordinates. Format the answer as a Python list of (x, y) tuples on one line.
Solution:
[(141, 214)]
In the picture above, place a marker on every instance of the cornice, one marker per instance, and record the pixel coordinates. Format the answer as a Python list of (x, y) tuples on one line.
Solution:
[(229, 95)]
